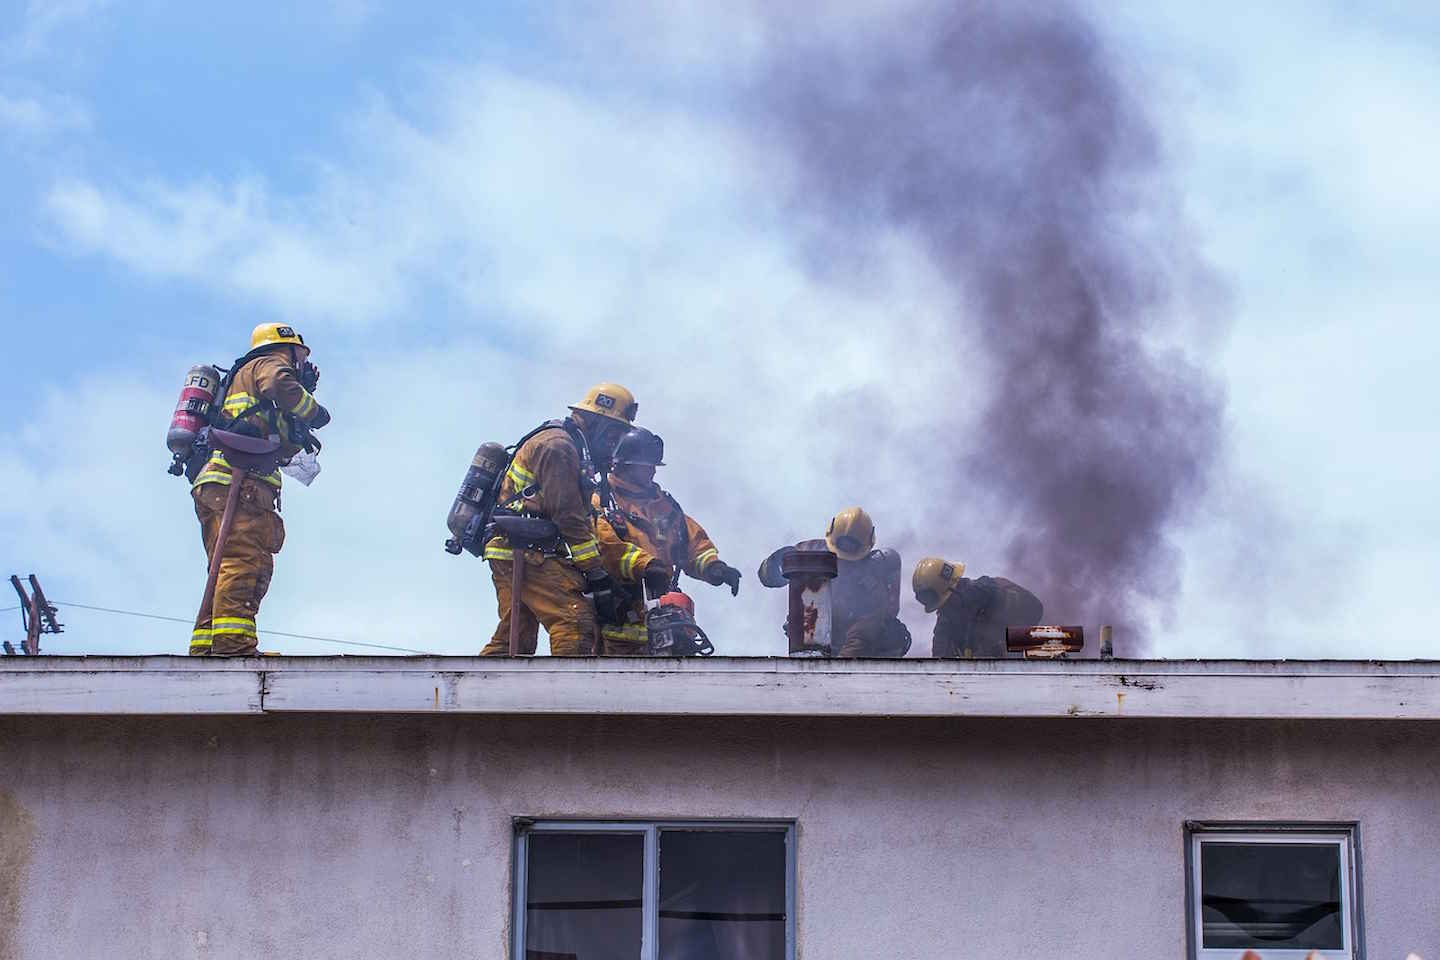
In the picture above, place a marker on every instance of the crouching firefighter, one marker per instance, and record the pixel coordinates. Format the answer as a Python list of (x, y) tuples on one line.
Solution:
[(261, 415), (971, 615), (658, 533), (865, 595), (543, 521)]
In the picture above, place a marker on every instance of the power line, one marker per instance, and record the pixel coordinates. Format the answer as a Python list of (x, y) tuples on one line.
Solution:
[(271, 633), (8, 609)]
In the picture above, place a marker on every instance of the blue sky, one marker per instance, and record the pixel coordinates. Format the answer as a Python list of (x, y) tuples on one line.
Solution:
[(464, 208)]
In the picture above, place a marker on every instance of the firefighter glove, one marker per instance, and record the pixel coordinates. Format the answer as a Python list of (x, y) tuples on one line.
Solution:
[(309, 376), (721, 573), (321, 417), (658, 578)]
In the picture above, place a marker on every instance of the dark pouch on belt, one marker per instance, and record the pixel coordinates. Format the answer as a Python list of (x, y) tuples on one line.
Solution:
[(529, 533), (254, 454)]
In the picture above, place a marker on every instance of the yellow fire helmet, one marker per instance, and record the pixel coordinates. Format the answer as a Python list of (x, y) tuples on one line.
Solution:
[(272, 333), (609, 400), (852, 534), (934, 580)]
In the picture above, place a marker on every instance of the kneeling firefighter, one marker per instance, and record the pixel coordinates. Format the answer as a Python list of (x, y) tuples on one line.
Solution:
[(261, 410), (660, 535), (543, 520), (865, 594), (972, 614)]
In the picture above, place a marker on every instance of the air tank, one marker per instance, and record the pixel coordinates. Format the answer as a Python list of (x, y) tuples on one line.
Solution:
[(192, 413), (476, 499)]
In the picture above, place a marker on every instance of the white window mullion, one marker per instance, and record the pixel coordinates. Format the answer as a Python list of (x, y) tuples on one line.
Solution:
[(519, 892), (650, 895)]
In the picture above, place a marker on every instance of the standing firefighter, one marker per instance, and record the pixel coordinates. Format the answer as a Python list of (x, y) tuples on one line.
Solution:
[(972, 614), (266, 395), (865, 595), (552, 476), (658, 533)]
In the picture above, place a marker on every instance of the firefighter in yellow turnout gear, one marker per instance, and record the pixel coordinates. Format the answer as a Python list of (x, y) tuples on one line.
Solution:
[(658, 537), (265, 397), (552, 476)]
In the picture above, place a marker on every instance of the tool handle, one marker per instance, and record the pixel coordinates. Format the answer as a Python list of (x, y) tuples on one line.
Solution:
[(227, 521)]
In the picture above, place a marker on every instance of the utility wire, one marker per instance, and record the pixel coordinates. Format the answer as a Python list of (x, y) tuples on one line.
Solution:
[(270, 633), (8, 609)]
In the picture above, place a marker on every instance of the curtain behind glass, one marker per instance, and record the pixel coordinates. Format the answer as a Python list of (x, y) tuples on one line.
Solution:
[(722, 895), (583, 899)]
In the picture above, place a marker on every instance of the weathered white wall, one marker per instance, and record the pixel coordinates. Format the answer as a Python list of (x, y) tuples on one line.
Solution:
[(346, 837)]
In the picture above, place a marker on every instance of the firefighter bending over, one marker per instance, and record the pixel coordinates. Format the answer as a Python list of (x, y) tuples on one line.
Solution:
[(865, 595), (972, 614), (658, 534), (552, 476), (266, 394)]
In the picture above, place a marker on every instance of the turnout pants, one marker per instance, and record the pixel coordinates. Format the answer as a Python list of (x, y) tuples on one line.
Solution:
[(629, 640), (553, 595), (256, 535)]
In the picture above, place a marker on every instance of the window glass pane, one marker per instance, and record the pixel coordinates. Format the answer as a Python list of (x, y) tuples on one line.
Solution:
[(583, 898), (722, 895), (1270, 895)]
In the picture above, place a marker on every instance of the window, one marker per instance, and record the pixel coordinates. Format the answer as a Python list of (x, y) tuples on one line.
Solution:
[(1282, 891), (654, 891)]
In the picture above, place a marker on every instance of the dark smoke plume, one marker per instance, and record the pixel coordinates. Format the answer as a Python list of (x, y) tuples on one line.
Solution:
[(1002, 138)]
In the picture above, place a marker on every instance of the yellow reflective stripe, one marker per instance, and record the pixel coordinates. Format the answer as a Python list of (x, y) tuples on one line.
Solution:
[(634, 632), (305, 406), (704, 557), (627, 562), (496, 551), (520, 476), (200, 638), (208, 475), (242, 625), (584, 550)]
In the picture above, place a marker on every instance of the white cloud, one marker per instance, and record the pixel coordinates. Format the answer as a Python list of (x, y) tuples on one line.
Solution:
[(36, 117), (43, 19)]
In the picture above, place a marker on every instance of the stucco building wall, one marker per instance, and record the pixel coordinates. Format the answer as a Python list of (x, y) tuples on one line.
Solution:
[(314, 836)]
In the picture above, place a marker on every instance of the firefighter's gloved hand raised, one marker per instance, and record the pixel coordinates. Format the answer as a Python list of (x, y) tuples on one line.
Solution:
[(309, 376), (658, 577), (720, 573)]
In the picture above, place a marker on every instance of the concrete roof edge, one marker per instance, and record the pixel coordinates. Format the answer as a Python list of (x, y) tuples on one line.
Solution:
[(758, 686)]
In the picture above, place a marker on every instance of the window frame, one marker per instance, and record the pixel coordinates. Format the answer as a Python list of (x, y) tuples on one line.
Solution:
[(1345, 834), (525, 827)]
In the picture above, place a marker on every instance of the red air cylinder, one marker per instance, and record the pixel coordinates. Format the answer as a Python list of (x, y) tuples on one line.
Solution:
[(192, 413)]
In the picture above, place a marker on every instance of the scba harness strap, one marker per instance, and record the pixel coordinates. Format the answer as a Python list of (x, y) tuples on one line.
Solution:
[(527, 487), (294, 429)]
